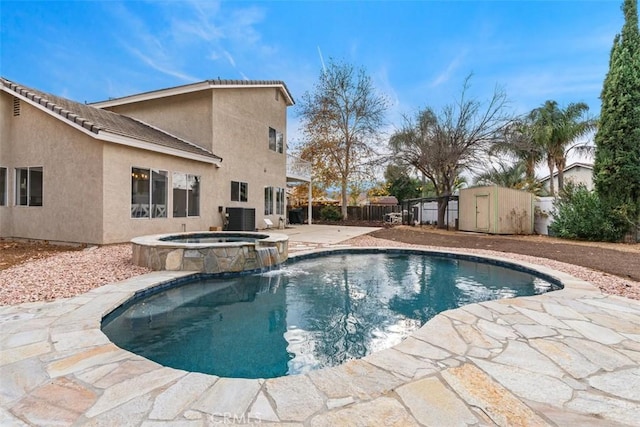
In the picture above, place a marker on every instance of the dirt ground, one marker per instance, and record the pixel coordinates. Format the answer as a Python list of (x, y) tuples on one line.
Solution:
[(17, 252), (618, 259)]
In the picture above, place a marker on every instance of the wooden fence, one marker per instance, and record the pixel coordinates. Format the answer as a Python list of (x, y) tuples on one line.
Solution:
[(357, 213)]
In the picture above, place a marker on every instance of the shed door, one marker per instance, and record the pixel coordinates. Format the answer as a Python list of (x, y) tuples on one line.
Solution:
[(482, 212)]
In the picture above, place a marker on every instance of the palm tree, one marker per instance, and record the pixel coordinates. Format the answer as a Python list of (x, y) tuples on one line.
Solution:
[(510, 176), (519, 143), (555, 129)]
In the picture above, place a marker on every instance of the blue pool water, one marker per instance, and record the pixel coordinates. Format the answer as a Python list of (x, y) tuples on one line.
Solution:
[(309, 314), (214, 237)]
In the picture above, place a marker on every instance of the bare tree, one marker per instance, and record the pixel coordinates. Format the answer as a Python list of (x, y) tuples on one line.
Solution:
[(340, 120), (443, 145)]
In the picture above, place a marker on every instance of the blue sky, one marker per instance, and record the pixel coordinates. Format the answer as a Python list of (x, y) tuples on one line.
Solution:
[(416, 52)]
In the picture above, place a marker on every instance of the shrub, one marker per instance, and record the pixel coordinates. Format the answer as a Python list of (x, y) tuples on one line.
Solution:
[(579, 214), (330, 213)]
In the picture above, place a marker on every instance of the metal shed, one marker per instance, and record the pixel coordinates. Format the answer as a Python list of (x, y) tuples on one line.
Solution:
[(496, 210)]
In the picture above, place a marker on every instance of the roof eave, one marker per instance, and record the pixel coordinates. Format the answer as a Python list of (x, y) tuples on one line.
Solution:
[(147, 146), (195, 87)]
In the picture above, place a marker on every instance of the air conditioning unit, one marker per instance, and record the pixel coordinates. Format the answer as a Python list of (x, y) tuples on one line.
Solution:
[(241, 219)]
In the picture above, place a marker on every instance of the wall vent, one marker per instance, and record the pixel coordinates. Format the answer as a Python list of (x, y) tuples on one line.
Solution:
[(16, 106)]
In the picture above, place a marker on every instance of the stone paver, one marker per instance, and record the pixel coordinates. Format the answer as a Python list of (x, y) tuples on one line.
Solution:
[(570, 357)]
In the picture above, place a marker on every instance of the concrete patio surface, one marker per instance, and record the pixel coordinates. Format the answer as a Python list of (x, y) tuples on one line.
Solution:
[(569, 357), (320, 235)]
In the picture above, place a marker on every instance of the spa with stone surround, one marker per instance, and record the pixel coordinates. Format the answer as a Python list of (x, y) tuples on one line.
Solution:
[(210, 252)]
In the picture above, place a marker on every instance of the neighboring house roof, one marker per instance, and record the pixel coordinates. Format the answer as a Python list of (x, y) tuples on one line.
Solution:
[(195, 87), (568, 168), (383, 200), (109, 126)]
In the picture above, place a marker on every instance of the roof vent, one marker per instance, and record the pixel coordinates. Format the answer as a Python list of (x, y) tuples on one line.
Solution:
[(16, 106)]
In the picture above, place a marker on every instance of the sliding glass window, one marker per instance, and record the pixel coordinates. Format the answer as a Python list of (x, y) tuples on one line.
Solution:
[(268, 200), (280, 201), (186, 195), (29, 186), (239, 191), (149, 189)]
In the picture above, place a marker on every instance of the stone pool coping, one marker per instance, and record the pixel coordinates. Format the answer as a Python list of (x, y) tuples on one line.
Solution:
[(569, 356)]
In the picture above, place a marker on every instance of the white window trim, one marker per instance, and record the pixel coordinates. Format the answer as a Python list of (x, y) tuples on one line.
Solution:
[(187, 200), (17, 191), (270, 209), (151, 204)]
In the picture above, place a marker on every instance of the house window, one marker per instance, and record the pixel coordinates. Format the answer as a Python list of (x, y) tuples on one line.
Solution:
[(276, 141), (186, 195), (268, 200), (279, 142), (3, 186), (239, 191), (29, 186), (272, 139), (149, 193), (279, 201), (159, 193)]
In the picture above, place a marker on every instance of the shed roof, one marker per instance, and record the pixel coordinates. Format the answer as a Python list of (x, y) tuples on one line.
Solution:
[(103, 123)]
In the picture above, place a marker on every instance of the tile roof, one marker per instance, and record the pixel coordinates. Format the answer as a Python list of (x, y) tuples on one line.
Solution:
[(198, 86), (96, 120)]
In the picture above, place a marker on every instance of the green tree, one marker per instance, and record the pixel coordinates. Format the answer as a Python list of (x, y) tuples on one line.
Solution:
[(445, 144), (518, 141), (504, 175), (400, 184), (340, 120), (617, 161), (556, 131)]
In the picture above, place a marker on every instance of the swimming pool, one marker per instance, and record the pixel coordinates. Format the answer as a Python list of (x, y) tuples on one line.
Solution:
[(312, 313)]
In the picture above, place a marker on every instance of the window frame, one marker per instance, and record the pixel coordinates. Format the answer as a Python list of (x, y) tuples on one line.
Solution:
[(268, 200), (29, 183), (280, 201), (149, 209), (273, 138), (279, 142), (4, 186), (189, 210), (237, 194)]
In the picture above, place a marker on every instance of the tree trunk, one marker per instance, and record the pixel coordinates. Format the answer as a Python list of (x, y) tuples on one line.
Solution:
[(530, 170), (552, 187), (343, 194), (443, 203), (561, 165)]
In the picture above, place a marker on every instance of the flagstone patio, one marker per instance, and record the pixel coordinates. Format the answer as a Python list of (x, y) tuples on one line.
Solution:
[(569, 357)]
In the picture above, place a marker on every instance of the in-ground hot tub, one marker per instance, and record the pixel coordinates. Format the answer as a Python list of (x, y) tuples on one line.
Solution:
[(210, 252)]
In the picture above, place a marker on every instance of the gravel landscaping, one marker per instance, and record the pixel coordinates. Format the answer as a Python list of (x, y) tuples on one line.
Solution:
[(69, 273)]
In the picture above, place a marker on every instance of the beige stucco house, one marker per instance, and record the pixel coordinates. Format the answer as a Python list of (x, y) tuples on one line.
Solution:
[(171, 160), (577, 173)]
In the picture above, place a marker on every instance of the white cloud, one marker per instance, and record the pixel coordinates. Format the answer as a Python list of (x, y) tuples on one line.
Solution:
[(229, 58), (162, 67), (448, 72)]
